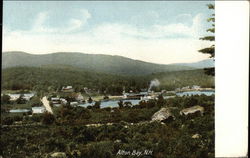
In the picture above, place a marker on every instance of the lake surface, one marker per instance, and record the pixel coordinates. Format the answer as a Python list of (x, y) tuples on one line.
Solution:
[(19, 110), (110, 103), (114, 103), (189, 93)]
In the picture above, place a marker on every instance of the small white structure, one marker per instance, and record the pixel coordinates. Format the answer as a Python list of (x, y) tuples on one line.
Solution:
[(38, 110), (73, 103), (67, 89), (55, 100), (163, 91), (196, 136), (26, 96), (185, 88), (63, 101), (196, 87), (14, 97), (79, 97), (57, 105)]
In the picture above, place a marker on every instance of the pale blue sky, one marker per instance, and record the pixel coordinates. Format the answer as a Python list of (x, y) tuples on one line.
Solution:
[(135, 29)]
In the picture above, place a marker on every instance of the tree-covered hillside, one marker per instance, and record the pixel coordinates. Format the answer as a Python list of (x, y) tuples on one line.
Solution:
[(91, 62), (53, 78)]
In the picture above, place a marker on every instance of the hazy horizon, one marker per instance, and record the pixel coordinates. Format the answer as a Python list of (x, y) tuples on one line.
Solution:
[(156, 32)]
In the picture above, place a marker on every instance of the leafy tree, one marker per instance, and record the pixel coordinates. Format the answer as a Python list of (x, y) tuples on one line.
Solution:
[(127, 103), (97, 105), (48, 118), (5, 99), (120, 103), (35, 101), (21, 100), (105, 97), (90, 100), (7, 120), (210, 50), (160, 101)]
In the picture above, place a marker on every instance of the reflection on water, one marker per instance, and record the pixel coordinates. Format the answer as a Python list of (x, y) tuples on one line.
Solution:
[(207, 93)]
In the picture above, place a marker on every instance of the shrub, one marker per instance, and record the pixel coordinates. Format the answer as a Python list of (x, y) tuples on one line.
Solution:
[(48, 118), (97, 105), (7, 121)]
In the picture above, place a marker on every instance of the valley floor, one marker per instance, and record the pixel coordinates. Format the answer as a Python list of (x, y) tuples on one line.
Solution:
[(106, 133)]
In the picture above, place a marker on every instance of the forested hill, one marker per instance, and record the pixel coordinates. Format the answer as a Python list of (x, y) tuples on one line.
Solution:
[(44, 78), (91, 62)]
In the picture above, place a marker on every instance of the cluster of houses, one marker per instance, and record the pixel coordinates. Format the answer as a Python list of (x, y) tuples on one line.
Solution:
[(77, 98), (146, 95), (26, 96), (58, 101), (142, 95), (194, 87), (67, 89)]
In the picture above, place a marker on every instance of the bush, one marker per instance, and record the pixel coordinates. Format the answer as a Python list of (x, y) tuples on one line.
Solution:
[(120, 103), (35, 101), (97, 105), (7, 121), (48, 118), (90, 100), (5, 99), (21, 100)]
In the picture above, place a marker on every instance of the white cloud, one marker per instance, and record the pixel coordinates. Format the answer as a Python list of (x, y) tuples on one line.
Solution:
[(41, 17), (85, 14), (155, 31), (72, 25), (39, 23), (116, 39)]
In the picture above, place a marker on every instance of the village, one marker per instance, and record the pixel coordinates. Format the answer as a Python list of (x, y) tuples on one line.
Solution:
[(68, 96)]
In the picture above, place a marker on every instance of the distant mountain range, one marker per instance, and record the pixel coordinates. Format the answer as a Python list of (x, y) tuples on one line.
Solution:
[(200, 64), (95, 62)]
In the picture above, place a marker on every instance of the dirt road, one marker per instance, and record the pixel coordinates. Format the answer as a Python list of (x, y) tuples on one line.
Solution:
[(46, 104)]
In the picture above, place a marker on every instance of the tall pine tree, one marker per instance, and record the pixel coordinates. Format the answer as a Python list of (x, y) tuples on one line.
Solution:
[(210, 50)]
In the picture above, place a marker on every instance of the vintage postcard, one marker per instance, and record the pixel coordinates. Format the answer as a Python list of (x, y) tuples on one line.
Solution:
[(108, 79)]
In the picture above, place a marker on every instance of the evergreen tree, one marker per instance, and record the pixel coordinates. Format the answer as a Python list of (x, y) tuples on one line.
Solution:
[(97, 105), (120, 103), (210, 50)]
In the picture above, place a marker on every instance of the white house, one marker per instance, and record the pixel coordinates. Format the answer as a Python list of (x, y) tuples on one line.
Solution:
[(67, 89), (73, 103), (63, 101), (185, 88), (14, 97), (196, 87), (55, 100), (79, 97), (38, 110), (27, 96)]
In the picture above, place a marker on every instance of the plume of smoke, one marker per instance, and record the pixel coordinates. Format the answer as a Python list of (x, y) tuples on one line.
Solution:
[(153, 83)]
